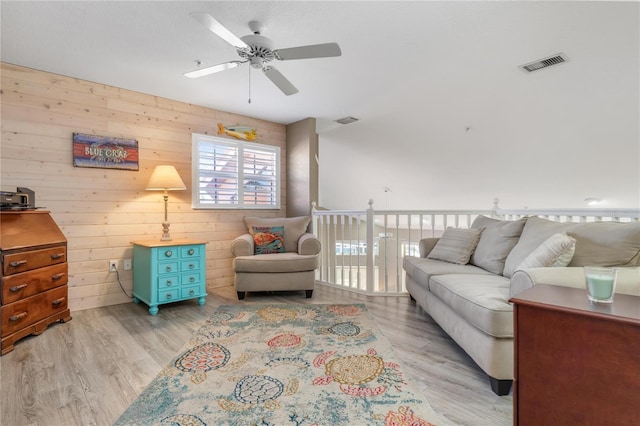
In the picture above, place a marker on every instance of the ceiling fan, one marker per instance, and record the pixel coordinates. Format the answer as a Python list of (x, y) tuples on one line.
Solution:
[(258, 51)]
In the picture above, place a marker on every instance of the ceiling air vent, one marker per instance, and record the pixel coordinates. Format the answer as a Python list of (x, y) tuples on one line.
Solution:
[(346, 120), (545, 62)]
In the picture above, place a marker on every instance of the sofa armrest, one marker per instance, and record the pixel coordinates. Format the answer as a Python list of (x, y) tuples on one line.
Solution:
[(243, 246), (308, 244), (627, 282), (426, 245)]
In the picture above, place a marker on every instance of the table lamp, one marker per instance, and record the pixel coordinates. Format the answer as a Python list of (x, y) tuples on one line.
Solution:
[(165, 178)]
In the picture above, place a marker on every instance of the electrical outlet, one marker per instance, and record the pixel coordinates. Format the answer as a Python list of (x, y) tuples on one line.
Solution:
[(127, 264), (113, 265)]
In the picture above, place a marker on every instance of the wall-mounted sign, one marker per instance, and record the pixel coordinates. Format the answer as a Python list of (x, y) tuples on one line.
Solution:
[(104, 152)]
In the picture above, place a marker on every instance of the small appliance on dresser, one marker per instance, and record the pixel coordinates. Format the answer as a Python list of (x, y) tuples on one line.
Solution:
[(33, 253)]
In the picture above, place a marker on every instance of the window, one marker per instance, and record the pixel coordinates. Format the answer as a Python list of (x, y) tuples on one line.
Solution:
[(234, 174)]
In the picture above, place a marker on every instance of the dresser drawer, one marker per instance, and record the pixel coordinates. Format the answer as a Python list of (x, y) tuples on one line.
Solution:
[(190, 265), (27, 260), (25, 284), (22, 313), (168, 281), (190, 291), (166, 253), (190, 279), (168, 295), (167, 267), (190, 251)]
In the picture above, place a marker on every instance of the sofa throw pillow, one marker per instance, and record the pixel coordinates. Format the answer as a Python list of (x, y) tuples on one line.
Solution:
[(496, 242), (455, 245), (555, 251), (268, 239)]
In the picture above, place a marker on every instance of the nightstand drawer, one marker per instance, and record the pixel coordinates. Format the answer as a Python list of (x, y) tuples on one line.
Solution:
[(165, 253), (167, 267), (189, 279), (190, 265), (190, 251), (168, 295), (168, 281), (191, 291)]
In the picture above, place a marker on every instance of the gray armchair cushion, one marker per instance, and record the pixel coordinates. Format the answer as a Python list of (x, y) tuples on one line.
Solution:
[(276, 262), (294, 227)]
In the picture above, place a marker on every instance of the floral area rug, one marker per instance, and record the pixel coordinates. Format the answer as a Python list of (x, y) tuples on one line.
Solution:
[(283, 364)]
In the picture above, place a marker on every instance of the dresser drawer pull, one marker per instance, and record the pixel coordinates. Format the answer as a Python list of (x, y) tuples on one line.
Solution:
[(192, 279), (168, 268), (191, 292), (17, 317), (58, 302), (56, 277), (57, 256), (17, 263), (168, 295), (191, 251), (191, 266), (169, 283), (17, 288), (168, 253)]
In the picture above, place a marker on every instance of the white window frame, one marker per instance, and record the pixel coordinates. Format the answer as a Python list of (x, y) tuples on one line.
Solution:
[(197, 140)]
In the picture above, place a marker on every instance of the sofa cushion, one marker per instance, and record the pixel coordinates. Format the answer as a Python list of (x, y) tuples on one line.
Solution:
[(496, 242), (268, 239), (455, 245), (294, 227), (480, 299), (597, 243), (555, 251), (421, 269), (275, 262)]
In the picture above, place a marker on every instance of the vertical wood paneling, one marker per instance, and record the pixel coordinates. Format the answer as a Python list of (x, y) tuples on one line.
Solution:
[(101, 210)]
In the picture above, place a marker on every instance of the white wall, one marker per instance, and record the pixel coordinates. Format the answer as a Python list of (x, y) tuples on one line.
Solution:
[(547, 139)]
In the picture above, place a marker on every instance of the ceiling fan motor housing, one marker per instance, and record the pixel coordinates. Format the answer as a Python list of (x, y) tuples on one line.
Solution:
[(259, 51)]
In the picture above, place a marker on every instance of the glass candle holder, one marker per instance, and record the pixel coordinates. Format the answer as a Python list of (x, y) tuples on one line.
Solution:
[(601, 283)]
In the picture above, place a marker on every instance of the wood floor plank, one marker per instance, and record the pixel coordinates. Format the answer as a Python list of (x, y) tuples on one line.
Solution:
[(89, 370)]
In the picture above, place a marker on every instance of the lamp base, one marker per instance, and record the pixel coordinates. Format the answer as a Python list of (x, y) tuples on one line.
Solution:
[(165, 232)]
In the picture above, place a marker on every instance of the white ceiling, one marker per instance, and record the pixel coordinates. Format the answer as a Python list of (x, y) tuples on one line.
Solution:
[(417, 74)]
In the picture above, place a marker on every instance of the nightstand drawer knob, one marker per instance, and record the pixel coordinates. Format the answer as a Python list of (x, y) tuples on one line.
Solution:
[(16, 288), (168, 253), (56, 256), (169, 283), (56, 277), (192, 279), (168, 295), (58, 302), (191, 266), (17, 263), (191, 251), (168, 268), (191, 292), (17, 317)]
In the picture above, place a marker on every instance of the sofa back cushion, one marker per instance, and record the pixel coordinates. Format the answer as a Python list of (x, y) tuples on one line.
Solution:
[(496, 242), (597, 243), (294, 227)]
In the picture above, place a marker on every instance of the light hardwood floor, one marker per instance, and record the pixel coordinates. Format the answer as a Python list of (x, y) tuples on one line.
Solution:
[(87, 371)]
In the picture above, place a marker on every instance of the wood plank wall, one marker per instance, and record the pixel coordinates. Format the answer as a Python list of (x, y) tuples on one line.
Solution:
[(101, 211)]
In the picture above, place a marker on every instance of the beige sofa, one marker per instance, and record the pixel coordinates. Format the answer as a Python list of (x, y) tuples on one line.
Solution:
[(469, 299), (287, 261)]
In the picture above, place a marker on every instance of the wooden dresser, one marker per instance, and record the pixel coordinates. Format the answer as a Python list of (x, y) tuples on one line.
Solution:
[(576, 363), (33, 252)]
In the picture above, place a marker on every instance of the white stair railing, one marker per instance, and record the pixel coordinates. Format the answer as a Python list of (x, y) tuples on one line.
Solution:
[(362, 250)]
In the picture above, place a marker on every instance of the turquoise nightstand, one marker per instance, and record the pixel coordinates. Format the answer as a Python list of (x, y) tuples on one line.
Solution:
[(169, 271)]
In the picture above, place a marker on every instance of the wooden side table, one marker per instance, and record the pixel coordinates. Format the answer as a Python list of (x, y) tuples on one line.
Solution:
[(169, 271), (576, 363)]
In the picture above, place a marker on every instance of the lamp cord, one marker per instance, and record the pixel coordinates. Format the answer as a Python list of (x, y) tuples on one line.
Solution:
[(121, 287)]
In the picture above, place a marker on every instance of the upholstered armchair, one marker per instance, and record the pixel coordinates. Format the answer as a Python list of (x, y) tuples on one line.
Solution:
[(277, 254)]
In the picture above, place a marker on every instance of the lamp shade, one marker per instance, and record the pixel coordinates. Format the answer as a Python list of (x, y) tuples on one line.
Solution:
[(165, 178)]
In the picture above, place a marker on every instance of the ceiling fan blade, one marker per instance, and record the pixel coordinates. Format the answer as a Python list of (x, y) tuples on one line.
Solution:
[(218, 29), (213, 69), (279, 80), (324, 50)]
